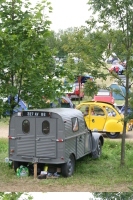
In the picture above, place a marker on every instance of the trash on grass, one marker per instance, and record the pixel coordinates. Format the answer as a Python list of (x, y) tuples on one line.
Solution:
[(22, 171), (6, 160)]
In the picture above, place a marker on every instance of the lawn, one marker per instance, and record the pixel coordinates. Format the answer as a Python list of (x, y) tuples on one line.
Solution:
[(104, 174)]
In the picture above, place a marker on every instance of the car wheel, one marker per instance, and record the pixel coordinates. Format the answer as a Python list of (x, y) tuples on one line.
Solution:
[(68, 168), (112, 135), (98, 152)]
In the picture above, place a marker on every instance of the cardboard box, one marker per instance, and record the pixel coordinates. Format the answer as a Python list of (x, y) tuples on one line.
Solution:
[(58, 170)]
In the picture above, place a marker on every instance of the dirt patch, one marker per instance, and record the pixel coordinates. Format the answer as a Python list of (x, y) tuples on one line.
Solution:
[(35, 185), (4, 131)]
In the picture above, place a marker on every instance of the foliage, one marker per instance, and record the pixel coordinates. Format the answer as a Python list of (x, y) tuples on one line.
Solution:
[(114, 195), (84, 57), (27, 67), (13, 196), (56, 41), (115, 19)]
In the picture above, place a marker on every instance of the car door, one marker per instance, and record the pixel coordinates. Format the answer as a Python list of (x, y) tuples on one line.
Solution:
[(46, 134), (85, 110), (25, 132), (97, 118)]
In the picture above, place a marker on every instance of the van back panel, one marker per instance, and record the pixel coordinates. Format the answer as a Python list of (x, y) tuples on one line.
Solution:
[(36, 136), (25, 141)]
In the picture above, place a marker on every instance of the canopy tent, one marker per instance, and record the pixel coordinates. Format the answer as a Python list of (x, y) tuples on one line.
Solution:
[(21, 106), (121, 91), (83, 78)]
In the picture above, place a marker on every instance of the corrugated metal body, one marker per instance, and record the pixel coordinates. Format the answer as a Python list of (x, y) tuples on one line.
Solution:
[(46, 148), (26, 146), (70, 147), (60, 142), (80, 146)]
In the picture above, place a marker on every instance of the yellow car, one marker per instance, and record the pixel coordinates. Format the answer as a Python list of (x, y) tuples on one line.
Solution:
[(104, 117)]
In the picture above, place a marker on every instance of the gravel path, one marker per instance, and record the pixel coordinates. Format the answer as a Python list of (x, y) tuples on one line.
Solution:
[(4, 132)]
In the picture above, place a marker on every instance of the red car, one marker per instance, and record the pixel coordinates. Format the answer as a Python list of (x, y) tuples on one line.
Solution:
[(74, 94), (104, 95)]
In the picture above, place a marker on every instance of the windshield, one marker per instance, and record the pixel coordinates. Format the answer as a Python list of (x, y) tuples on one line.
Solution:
[(118, 110)]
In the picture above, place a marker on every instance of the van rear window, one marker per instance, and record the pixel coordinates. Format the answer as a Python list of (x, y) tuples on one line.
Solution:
[(25, 126), (45, 127), (75, 124)]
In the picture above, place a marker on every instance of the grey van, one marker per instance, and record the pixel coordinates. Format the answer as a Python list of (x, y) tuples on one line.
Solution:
[(52, 136)]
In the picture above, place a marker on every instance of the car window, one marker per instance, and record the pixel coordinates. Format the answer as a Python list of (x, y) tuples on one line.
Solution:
[(110, 112), (84, 109), (75, 124), (97, 111)]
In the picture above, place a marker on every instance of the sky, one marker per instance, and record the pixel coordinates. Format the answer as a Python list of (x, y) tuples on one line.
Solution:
[(68, 13)]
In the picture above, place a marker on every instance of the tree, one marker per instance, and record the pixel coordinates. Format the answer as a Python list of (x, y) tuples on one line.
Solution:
[(82, 48), (114, 195), (27, 67), (116, 19), (13, 195)]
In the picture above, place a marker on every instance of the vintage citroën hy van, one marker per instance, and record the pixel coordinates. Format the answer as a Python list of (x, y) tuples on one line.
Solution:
[(51, 136)]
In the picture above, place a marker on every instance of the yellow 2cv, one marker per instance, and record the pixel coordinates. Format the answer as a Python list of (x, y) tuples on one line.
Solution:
[(105, 117)]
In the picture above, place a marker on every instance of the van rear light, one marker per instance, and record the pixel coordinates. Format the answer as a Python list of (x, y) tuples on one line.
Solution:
[(59, 140), (49, 114), (12, 138), (20, 114), (12, 150), (62, 158)]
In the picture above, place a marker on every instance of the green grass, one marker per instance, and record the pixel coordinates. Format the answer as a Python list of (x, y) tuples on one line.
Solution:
[(4, 121), (104, 172), (3, 149)]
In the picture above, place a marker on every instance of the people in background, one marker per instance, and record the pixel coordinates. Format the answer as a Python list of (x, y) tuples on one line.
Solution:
[(86, 111), (92, 111)]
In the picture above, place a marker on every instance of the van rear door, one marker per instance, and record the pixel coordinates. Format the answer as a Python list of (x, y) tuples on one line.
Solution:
[(25, 132), (36, 135), (46, 137)]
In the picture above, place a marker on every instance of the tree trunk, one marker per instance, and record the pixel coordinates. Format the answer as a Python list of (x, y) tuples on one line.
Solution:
[(125, 123), (79, 88)]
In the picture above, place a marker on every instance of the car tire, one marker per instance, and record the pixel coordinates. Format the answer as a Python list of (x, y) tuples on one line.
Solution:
[(112, 135), (68, 168), (98, 152)]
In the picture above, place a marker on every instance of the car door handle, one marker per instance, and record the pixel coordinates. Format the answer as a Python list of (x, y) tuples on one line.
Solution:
[(37, 139), (93, 120)]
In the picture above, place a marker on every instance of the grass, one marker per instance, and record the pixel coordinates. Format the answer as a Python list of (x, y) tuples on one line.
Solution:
[(104, 172), (3, 149), (4, 121)]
